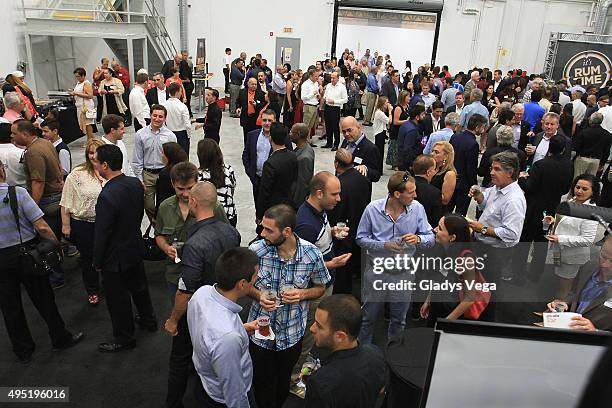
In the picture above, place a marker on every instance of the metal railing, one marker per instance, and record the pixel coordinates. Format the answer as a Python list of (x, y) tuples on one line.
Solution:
[(104, 11)]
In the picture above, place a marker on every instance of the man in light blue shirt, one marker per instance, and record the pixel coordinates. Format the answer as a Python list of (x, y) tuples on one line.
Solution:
[(394, 226), (220, 340), (451, 121), (474, 107)]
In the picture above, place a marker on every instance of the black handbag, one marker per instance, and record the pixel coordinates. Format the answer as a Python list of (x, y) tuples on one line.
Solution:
[(151, 251), (40, 256)]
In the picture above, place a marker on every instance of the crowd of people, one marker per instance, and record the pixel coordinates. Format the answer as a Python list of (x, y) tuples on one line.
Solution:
[(531, 140)]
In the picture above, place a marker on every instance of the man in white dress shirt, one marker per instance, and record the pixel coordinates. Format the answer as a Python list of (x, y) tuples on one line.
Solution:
[(177, 119), (147, 155), (138, 103), (310, 96), (114, 129), (335, 96)]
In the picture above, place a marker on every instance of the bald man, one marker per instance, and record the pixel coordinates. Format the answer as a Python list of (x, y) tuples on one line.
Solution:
[(251, 100), (366, 157), (207, 239)]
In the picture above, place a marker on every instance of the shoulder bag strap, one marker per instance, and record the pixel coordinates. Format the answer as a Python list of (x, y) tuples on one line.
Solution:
[(12, 192)]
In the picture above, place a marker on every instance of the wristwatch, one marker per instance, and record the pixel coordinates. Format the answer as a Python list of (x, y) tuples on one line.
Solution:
[(484, 229)]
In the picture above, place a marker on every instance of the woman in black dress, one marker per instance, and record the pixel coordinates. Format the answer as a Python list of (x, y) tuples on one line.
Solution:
[(291, 99), (399, 116), (446, 175)]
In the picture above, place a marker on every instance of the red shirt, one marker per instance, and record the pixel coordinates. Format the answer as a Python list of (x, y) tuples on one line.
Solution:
[(124, 77)]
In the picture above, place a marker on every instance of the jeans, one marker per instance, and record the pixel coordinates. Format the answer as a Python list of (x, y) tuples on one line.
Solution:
[(234, 90), (182, 139), (371, 310), (272, 373), (82, 235)]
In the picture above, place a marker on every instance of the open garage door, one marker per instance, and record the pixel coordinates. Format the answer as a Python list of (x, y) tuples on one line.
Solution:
[(406, 30)]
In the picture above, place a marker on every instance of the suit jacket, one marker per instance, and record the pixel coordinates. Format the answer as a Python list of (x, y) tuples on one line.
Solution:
[(305, 157), (366, 153), (243, 103), (355, 195), (524, 139), (184, 71), (431, 198), (466, 159), (596, 312), (426, 125), (277, 181), (249, 154), (409, 144), (118, 241), (567, 153), (152, 98), (452, 108), (212, 122), (484, 169), (388, 90), (549, 179)]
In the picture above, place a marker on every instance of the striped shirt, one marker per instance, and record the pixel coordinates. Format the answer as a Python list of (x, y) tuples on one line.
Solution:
[(28, 213), (304, 270), (225, 193)]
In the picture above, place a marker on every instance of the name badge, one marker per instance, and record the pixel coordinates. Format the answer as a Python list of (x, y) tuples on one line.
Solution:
[(358, 160), (608, 303)]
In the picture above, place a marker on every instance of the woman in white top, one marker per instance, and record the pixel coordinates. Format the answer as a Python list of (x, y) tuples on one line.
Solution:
[(382, 119), (213, 169), (78, 210), (572, 236), (83, 100)]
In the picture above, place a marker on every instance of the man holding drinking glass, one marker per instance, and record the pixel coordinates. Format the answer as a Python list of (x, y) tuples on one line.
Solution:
[(285, 261)]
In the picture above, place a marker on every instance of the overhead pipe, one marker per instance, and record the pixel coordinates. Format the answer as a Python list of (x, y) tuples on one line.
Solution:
[(600, 19), (183, 24)]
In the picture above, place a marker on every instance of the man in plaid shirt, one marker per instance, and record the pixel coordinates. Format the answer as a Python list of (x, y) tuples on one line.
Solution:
[(285, 260)]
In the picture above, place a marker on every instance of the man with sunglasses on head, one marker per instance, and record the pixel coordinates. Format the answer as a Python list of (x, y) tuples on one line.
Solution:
[(365, 153), (392, 226)]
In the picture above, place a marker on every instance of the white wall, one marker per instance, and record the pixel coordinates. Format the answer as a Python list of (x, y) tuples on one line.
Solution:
[(244, 25), (400, 43), (521, 26), (11, 32)]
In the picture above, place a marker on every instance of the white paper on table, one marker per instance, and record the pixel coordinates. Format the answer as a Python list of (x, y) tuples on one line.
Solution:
[(558, 320)]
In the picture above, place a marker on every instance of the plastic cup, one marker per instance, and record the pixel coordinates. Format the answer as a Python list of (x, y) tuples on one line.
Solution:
[(264, 325)]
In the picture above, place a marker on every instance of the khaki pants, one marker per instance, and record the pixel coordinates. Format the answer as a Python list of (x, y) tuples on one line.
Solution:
[(370, 101), (585, 165), (310, 116), (308, 339), (149, 180)]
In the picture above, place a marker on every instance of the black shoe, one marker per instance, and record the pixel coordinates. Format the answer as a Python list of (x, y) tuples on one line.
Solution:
[(73, 341), (312, 144), (150, 326), (57, 285), (326, 146), (25, 359), (333, 149), (114, 347), (366, 124)]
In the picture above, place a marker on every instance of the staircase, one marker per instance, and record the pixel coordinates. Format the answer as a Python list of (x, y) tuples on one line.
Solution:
[(127, 26)]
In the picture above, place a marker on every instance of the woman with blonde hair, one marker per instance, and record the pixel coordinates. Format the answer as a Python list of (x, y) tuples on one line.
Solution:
[(78, 211), (111, 90), (446, 175)]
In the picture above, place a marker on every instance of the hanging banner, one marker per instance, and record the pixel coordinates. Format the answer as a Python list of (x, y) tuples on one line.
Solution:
[(200, 67), (583, 64)]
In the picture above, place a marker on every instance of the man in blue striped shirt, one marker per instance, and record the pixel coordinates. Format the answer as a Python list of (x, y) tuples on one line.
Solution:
[(296, 266)]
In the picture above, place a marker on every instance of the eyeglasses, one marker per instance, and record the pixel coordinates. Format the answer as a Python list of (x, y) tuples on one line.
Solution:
[(349, 130)]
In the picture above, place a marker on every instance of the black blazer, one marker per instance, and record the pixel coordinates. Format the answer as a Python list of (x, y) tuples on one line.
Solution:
[(388, 90), (118, 241), (367, 153), (484, 169), (212, 122), (431, 198), (524, 139), (355, 195), (549, 179), (426, 125), (277, 181), (243, 103), (567, 153), (452, 108), (152, 98), (249, 154), (184, 71), (466, 159)]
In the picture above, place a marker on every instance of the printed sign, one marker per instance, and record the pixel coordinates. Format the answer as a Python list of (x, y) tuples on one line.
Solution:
[(588, 68)]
